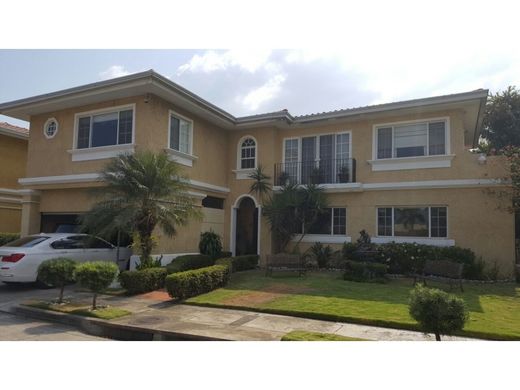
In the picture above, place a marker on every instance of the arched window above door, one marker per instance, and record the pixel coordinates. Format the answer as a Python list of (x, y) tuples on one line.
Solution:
[(247, 153)]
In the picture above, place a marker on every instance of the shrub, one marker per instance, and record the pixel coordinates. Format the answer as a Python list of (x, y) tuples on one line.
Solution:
[(138, 282), (322, 254), (224, 255), (96, 276), (57, 273), (349, 251), (239, 263), (437, 311), (210, 244), (8, 237), (189, 262), (188, 284), (358, 271)]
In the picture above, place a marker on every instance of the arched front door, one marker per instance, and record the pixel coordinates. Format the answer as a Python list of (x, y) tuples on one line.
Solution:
[(246, 232)]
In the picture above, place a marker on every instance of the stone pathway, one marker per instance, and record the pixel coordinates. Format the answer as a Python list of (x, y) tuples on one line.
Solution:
[(16, 328), (153, 312)]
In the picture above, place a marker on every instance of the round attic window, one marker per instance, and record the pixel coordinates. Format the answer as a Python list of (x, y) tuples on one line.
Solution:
[(50, 128)]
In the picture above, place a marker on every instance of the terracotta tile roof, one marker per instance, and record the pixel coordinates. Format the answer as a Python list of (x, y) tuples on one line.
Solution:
[(18, 129)]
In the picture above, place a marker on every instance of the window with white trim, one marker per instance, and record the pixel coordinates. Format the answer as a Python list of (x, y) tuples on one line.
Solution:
[(333, 221), (411, 140), (50, 128), (109, 128), (181, 131), (248, 154), (330, 153), (412, 222)]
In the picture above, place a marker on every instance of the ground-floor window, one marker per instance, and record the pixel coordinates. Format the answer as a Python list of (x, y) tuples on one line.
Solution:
[(425, 221), (333, 221)]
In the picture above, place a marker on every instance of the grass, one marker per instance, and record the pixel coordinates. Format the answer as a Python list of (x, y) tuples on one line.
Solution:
[(105, 313), (300, 335), (494, 308)]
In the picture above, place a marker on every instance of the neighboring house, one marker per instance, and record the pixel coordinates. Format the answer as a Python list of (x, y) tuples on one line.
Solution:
[(401, 171), (13, 158)]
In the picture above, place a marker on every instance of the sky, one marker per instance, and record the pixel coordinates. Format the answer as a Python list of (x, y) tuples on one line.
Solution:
[(251, 81)]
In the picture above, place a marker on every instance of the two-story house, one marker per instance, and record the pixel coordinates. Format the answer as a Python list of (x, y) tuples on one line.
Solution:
[(13, 157), (401, 171)]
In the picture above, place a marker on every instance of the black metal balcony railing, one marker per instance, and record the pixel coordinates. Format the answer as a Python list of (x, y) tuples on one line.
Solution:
[(332, 171)]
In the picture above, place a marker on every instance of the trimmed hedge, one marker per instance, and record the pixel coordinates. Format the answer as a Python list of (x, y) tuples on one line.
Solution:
[(183, 285), (358, 271), (409, 258), (138, 282), (224, 255), (240, 263), (8, 237), (189, 262)]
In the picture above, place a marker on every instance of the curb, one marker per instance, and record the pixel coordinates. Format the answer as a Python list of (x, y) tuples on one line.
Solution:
[(102, 328)]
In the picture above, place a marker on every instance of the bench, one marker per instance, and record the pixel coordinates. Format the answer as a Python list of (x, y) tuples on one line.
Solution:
[(285, 262), (441, 269)]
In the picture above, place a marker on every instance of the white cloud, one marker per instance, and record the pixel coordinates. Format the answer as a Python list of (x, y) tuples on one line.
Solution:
[(211, 61), (258, 96), (113, 72)]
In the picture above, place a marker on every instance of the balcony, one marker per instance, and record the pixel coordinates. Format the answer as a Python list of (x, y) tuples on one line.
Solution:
[(331, 171)]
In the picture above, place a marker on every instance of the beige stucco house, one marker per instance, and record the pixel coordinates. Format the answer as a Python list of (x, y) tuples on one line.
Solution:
[(382, 166), (13, 157)]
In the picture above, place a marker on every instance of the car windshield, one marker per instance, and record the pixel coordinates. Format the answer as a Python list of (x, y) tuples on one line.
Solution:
[(27, 242)]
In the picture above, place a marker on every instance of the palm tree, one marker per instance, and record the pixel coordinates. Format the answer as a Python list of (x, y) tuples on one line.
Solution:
[(261, 185), (142, 191), (293, 210)]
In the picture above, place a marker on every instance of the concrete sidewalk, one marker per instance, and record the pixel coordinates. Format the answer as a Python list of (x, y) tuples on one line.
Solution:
[(155, 314)]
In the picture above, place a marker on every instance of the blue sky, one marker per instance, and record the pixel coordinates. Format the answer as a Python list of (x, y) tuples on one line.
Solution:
[(253, 81)]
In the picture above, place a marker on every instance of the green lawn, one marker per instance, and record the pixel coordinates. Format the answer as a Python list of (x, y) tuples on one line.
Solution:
[(105, 313), (300, 335), (494, 308)]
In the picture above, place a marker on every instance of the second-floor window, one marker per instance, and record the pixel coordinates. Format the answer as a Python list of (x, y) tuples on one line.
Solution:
[(324, 158), (181, 130), (248, 154), (105, 129), (411, 140)]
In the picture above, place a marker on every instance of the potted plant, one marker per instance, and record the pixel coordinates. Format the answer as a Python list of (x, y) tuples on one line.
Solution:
[(344, 174), (317, 175), (283, 178)]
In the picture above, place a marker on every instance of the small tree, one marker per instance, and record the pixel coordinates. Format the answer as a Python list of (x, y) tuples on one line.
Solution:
[(293, 210), (261, 183), (96, 276), (141, 191), (437, 311), (502, 119), (57, 273), (210, 244)]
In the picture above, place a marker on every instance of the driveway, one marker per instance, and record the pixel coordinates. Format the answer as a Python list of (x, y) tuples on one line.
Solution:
[(20, 328)]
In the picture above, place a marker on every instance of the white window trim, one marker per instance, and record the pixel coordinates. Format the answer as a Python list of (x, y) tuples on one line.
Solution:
[(419, 162), (101, 152), (190, 146), (414, 240), (439, 241), (323, 238), (242, 173), (45, 128), (180, 157), (416, 162)]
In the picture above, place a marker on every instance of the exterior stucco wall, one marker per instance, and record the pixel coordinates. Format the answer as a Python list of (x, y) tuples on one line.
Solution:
[(13, 159), (474, 220)]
